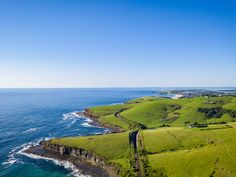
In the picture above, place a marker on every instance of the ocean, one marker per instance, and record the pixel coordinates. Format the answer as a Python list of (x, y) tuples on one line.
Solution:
[(28, 116)]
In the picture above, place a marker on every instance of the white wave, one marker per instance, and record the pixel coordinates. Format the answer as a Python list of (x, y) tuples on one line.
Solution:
[(26, 146), (9, 161), (71, 115), (11, 156), (74, 116), (88, 120), (9, 133), (17, 150), (106, 130), (66, 164), (30, 130), (67, 116), (86, 124), (73, 121)]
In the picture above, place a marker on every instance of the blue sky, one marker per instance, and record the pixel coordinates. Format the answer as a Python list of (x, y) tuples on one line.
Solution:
[(117, 43)]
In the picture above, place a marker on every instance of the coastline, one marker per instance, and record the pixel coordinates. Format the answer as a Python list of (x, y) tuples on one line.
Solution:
[(95, 122), (86, 164), (68, 152)]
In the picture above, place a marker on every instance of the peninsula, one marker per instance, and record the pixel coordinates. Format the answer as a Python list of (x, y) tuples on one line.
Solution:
[(156, 137)]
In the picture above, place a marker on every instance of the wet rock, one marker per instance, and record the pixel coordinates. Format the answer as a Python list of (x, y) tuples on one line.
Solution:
[(73, 151)]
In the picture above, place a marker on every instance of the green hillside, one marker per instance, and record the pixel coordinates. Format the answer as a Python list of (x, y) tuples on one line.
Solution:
[(175, 151), (193, 152), (116, 143), (176, 138), (114, 148), (154, 112)]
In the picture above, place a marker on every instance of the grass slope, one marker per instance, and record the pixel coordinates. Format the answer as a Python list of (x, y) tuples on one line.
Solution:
[(168, 151), (177, 151), (114, 148), (108, 146), (155, 112), (193, 152)]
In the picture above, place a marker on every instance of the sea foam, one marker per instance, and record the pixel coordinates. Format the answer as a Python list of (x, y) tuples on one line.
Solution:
[(71, 115), (19, 150), (66, 164), (30, 130)]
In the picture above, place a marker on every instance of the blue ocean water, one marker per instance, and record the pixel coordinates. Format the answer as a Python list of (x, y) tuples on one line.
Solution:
[(30, 115)]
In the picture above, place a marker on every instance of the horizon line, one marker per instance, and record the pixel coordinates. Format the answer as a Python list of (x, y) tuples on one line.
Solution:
[(121, 87)]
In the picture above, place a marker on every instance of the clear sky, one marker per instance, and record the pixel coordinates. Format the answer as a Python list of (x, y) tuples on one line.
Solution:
[(117, 43)]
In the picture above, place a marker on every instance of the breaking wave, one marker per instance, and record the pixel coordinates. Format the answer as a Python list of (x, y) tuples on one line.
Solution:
[(66, 164), (30, 130)]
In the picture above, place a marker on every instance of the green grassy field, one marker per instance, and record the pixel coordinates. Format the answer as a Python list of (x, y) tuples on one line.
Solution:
[(108, 146), (178, 151), (111, 119), (114, 148), (174, 151), (193, 152), (155, 112)]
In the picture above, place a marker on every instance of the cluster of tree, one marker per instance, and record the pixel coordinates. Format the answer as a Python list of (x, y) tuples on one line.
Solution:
[(214, 123), (209, 101), (168, 109), (198, 125), (174, 107), (232, 113), (165, 125), (215, 112)]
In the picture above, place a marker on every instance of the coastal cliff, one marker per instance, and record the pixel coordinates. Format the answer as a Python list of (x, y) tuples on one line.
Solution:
[(95, 121), (87, 162), (73, 151), (89, 114)]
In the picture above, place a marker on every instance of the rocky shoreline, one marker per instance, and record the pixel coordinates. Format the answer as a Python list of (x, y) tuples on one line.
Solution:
[(87, 162), (86, 113)]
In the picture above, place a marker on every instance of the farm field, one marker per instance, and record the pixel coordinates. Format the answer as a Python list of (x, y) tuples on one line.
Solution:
[(153, 112), (166, 137)]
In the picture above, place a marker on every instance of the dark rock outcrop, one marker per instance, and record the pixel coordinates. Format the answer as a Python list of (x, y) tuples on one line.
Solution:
[(73, 151)]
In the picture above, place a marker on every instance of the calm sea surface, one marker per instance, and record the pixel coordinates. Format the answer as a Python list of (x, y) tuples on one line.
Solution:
[(30, 115)]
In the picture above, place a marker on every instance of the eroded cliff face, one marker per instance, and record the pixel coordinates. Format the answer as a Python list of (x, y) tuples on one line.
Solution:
[(73, 151), (91, 158), (89, 114), (113, 128)]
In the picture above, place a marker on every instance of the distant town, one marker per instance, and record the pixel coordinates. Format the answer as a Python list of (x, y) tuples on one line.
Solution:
[(190, 93)]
